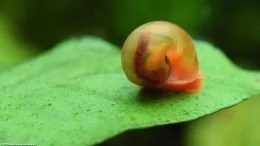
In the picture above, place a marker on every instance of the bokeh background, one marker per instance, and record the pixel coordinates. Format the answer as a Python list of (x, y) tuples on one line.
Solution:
[(29, 27)]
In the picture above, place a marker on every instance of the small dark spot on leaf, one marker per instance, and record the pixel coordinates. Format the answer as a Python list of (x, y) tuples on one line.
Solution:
[(76, 113), (49, 104)]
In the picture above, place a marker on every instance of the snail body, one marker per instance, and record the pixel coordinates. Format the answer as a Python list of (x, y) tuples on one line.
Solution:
[(160, 54)]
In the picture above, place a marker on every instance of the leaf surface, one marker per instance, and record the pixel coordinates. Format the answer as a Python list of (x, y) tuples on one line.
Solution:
[(77, 94)]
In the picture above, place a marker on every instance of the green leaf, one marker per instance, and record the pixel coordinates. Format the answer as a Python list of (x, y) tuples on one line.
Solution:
[(77, 94), (236, 126), (4, 66)]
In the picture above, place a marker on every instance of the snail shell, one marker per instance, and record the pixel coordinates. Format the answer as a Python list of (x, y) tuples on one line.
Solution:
[(160, 54)]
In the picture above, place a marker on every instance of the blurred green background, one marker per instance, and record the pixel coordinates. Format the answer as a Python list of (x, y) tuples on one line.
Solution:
[(29, 27)]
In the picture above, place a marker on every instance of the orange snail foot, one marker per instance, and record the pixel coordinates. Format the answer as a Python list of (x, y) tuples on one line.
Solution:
[(191, 87)]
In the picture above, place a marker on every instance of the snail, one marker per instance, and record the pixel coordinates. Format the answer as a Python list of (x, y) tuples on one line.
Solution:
[(161, 55)]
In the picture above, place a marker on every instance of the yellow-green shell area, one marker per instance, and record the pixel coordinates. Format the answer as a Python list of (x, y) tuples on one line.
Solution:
[(164, 41)]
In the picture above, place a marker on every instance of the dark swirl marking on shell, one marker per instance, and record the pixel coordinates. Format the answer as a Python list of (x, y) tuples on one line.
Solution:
[(138, 59)]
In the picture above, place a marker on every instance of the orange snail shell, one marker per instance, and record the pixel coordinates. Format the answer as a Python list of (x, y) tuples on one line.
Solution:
[(160, 54)]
